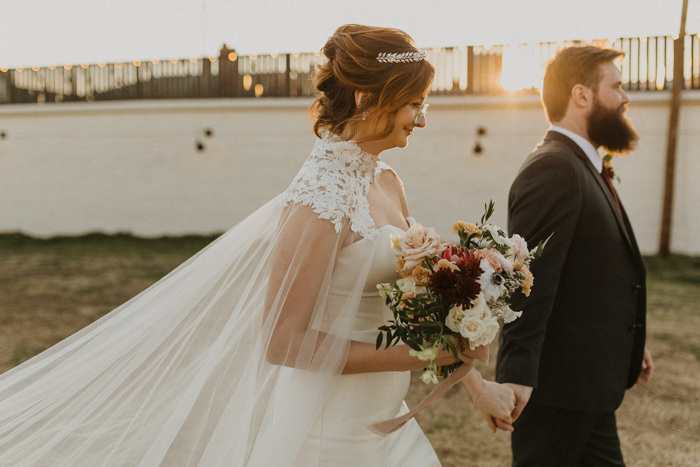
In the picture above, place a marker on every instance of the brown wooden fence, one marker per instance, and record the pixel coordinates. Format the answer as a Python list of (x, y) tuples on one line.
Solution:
[(647, 66)]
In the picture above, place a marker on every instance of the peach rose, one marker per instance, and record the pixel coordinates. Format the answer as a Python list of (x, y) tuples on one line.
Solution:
[(489, 258), (420, 275), (416, 244), (528, 281), (467, 227)]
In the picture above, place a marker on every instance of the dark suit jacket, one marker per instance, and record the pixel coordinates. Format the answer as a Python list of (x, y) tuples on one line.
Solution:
[(580, 340)]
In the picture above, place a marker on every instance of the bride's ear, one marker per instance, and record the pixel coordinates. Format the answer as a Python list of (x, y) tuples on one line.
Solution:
[(360, 96)]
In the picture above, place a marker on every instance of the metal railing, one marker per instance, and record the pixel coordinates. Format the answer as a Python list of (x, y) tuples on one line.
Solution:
[(647, 66)]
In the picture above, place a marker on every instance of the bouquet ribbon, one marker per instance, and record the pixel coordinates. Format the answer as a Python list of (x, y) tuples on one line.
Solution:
[(467, 356)]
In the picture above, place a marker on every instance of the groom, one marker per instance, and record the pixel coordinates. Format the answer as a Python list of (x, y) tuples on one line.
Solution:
[(580, 341)]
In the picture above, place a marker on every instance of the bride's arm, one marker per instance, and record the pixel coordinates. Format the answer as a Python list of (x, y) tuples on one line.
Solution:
[(301, 267)]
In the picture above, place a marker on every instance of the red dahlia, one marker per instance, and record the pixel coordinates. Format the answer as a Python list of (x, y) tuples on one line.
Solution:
[(458, 287)]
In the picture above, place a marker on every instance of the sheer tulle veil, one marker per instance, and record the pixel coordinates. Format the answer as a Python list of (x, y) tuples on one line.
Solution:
[(226, 361)]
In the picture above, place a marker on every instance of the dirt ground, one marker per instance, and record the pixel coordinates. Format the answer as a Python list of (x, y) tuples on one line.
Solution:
[(51, 288)]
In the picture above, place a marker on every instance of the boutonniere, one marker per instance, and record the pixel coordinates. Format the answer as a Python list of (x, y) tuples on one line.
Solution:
[(607, 165)]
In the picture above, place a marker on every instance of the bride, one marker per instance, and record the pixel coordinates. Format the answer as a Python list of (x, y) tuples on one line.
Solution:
[(259, 350)]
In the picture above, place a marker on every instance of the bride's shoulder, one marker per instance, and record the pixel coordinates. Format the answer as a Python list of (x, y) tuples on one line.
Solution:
[(334, 181), (389, 174)]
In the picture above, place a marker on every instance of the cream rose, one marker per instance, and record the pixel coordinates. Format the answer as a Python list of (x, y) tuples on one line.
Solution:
[(454, 318), (490, 331), (472, 328), (418, 243)]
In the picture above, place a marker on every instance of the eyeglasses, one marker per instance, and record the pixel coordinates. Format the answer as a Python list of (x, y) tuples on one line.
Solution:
[(421, 113)]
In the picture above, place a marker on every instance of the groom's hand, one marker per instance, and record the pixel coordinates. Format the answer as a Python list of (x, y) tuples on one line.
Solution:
[(496, 403), (647, 367), (522, 396)]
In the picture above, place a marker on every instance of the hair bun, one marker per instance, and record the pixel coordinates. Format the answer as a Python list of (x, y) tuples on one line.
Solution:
[(352, 66)]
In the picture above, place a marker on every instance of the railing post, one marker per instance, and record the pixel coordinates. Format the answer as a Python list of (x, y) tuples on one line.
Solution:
[(470, 69), (205, 87), (228, 73), (287, 77)]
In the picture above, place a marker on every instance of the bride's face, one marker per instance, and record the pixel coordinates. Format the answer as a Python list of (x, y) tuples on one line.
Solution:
[(404, 124)]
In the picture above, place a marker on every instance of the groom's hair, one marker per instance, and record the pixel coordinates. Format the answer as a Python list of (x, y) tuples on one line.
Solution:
[(572, 66)]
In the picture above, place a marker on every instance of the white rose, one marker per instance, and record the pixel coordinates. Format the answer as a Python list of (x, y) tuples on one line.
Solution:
[(454, 318), (419, 290), (384, 290), (406, 284), (509, 315), (428, 377)]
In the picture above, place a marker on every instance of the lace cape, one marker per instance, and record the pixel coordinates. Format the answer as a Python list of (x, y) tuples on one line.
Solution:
[(335, 180)]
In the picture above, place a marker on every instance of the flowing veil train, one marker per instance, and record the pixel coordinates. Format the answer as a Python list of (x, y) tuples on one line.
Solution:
[(225, 361)]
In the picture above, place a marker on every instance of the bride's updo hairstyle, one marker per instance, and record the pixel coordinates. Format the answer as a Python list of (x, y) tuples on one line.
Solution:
[(352, 65)]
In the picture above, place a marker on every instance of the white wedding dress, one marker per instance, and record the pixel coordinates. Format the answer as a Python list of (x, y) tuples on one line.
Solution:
[(340, 436), (235, 358)]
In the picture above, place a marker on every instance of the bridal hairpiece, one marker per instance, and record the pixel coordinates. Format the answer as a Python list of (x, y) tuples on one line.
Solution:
[(403, 57)]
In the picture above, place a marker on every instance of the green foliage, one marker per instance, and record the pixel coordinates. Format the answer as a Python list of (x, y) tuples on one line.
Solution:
[(490, 208)]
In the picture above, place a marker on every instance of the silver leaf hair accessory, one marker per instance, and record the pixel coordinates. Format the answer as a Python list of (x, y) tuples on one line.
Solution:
[(404, 57)]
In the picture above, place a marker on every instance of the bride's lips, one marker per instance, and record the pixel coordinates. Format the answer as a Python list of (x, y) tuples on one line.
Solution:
[(408, 131)]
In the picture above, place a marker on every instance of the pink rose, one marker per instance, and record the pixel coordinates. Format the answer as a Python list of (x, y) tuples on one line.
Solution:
[(520, 250)]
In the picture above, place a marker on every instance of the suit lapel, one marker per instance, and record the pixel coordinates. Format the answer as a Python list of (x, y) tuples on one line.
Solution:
[(553, 135)]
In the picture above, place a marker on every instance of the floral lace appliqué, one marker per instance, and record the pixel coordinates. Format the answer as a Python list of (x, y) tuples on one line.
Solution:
[(334, 181)]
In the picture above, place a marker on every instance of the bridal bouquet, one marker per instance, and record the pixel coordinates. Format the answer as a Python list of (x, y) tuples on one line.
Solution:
[(449, 291)]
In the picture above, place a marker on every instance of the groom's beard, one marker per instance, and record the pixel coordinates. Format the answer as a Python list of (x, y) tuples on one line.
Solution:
[(611, 129)]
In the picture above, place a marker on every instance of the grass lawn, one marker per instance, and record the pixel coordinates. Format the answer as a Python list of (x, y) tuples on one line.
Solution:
[(51, 288)]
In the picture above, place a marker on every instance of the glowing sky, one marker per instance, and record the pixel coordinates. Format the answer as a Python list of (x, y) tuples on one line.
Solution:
[(44, 32)]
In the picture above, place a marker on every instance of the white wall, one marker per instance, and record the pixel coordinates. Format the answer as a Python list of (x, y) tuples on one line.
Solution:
[(133, 166)]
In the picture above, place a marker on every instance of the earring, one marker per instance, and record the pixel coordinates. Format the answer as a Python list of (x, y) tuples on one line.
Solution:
[(364, 116)]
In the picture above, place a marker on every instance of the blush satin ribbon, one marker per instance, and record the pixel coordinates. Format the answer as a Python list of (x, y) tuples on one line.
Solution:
[(467, 356)]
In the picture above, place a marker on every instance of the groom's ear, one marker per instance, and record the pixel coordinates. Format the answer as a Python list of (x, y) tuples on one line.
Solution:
[(582, 96)]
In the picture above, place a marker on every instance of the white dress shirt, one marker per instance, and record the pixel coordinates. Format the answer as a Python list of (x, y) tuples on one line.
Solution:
[(584, 144)]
